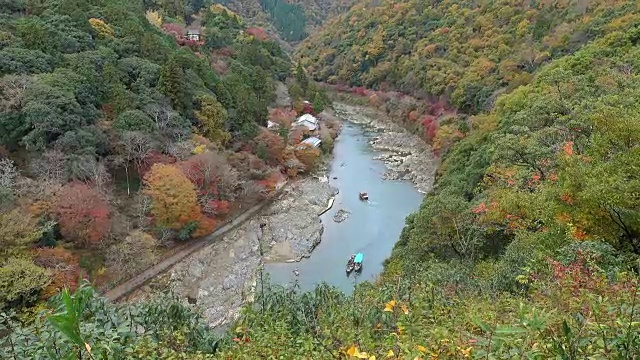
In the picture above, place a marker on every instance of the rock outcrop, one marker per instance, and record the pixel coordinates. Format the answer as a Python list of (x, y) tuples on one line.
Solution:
[(406, 155)]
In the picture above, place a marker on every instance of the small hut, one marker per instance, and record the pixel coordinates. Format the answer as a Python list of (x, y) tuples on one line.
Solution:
[(312, 141), (193, 34), (309, 121)]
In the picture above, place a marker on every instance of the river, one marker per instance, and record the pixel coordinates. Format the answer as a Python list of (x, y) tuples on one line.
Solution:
[(373, 226), (220, 278)]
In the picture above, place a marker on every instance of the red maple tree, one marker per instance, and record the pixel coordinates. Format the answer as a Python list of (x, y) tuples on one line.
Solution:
[(82, 213), (218, 207), (258, 33)]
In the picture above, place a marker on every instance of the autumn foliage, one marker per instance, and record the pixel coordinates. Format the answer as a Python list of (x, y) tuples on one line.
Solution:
[(103, 29), (258, 33), (218, 207), (430, 125), (173, 29), (201, 172), (270, 146), (100, 107), (205, 226), (295, 135), (154, 18), (178, 32), (83, 214), (174, 200), (64, 268), (307, 155), (271, 181), (248, 164), (155, 157), (283, 117)]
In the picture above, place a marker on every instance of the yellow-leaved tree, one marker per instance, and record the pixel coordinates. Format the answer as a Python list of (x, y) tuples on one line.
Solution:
[(308, 155), (154, 18), (213, 117), (102, 28), (174, 199)]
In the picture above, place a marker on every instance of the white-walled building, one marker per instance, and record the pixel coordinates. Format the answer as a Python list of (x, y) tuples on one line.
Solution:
[(193, 34)]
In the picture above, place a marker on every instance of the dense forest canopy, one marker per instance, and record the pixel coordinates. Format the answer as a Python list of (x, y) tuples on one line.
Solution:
[(108, 114), (289, 19), (118, 64), (467, 51)]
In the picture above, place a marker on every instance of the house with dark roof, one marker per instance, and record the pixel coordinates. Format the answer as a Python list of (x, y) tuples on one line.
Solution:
[(193, 34)]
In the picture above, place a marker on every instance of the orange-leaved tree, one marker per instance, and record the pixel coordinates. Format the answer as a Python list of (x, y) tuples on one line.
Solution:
[(174, 200), (308, 155), (283, 117)]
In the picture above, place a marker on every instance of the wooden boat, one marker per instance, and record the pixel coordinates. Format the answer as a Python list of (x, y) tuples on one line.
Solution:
[(358, 261), (364, 196), (350, 264), (350, 267)]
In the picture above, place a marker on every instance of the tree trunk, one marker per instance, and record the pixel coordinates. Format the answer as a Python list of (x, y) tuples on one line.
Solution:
[(126, 170)]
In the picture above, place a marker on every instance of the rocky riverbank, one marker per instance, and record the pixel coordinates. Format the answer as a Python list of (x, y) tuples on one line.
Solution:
[(220, 278), (292, 226), (406, 155)]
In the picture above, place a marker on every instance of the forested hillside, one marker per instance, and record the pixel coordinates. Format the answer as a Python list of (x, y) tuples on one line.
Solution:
[(467, 51), (527, 248), (293, 20), (319, 12), (120, 138)]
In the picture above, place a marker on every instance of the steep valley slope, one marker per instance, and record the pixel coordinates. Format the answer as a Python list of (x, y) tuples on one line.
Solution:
[(528, 245)]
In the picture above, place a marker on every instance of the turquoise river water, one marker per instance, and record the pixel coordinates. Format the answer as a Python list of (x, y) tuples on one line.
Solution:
[(373, 226)]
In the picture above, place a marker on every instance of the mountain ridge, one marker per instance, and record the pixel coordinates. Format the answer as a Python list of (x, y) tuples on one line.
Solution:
[(465, 51)]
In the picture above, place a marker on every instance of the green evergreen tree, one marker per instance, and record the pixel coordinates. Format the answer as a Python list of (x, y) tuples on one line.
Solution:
[(301, 78), (172, 84)]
